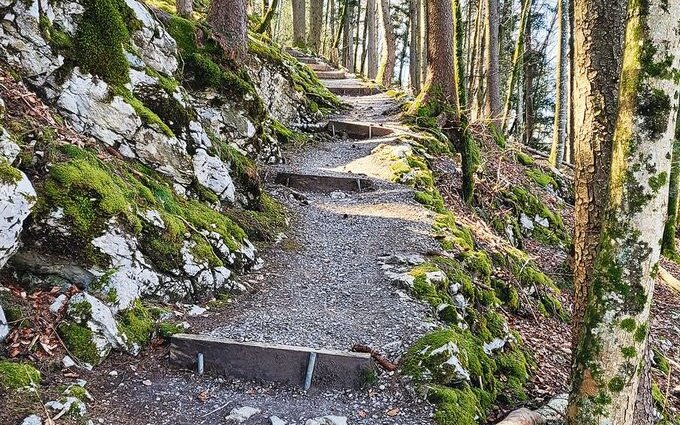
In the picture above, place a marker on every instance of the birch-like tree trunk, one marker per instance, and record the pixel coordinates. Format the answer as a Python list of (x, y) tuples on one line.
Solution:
[(416, 47), (315, 25), (609, 356), (492, 100), (561, 87), (299, 22), (229, 20), (388, 53), (598, 52), (185, 8), (516, 59), (670, 229)]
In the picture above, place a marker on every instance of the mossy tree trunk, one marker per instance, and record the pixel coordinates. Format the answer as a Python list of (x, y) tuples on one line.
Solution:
[(416, 47), (299, 22), (598, 51), (266, 25), (668, 247), (185, 8), (561, 87), (492, 99), (229, 20), (388, 52), (609, 358), (315, 25)]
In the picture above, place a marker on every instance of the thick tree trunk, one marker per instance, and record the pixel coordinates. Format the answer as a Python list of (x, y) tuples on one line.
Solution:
[(598, 52), (562, 87), (609, 357), (348, 39), (371, 41), (402, 55), (492, 101), (315, 25), (299, 22), (416, 47), (185, 8), (516, 59), (229, 20), (440, 52), (388, 54), (668, 247)]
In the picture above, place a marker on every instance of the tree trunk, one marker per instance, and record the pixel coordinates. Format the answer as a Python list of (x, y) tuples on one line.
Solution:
[(514, 69), (561, 87), (388, 54), (416, 48), (404, 49), (299, 23), (229, 20), (668, 247), (348, 40), (473, 75), (609, 357), (440, 51), (598, 51), (492, 101), (371, 41), (185, 8), (266, 25), (357, 26), (315, 25), (529, 68)]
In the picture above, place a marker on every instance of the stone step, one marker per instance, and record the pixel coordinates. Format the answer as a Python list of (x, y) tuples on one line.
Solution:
[(294, 52), (307, 59), (298, 366), (331, 75), (353, 90), (324, 184), (358, 130), (321, 67)]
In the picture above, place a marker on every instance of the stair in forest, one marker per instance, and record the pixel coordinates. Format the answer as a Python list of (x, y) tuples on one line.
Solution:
[(331, 75), (324, 183), (319, 66), (358, 130)]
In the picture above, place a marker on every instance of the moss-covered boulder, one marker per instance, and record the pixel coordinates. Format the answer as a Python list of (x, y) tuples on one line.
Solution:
[(18, 375)]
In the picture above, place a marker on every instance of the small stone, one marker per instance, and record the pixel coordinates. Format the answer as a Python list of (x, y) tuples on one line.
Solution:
[(146, 382), (526, 222), (68, 362), (242, 414), (196, 310), (32, 420), (327, 420), (4, 327), (113, 373), (338, 195), (58, 304), (275, 420)]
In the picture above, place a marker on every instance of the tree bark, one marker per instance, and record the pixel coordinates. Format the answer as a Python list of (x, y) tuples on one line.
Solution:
[(562, 87), (516, 57), (388, 54), (229, 20), (357, 26), (315, 25), (299, 22), (440, 51), (348, 39), (492, 101), (529, 68), (266, 25), (185, 8), (404, 49), (371, 41), (598, 52), (610, 354), (416, 47)]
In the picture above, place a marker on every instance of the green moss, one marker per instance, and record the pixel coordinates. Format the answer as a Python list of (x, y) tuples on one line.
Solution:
[(78, 339), (136, 324), (264, 223), (540, 178), (616, 385), (166, 329), (524, 159), (628, 324), (524, 202), (658, 397), (465, 406), (17, 375), (641, 333), (8, 174), (147, 116), (78, 392), (102, 32), (286, 136), (661, 362)]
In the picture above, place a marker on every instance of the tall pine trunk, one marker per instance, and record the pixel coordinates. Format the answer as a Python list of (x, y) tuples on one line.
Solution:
[(492, 100), (229, 20), (598, 52), (610, 354), (561, 87), (416, 47), (529, 71), (185, 8), (388, 53), (516, 59), (371, 41), (348, 36), (315, 25), (299, 23)]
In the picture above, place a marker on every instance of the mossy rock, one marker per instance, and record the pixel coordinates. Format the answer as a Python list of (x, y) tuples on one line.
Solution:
[(459, 406), (79, 340), (18, 375), (136, 324)]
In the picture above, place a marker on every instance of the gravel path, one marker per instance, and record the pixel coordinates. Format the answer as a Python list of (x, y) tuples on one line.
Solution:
[(328, 292)]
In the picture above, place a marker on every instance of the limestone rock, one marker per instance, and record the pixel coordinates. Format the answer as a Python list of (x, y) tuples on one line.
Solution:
[(214, 174), (4, 327), (89, 311), (327, 420), (16, 201), (241, 414), (33, 419)]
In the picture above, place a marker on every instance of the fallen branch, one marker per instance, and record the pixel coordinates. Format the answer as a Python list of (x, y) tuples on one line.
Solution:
[(379, 358), (670, 280)]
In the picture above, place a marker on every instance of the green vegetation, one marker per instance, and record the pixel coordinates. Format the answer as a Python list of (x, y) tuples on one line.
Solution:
[(78, 339), (8, 174), (540, 178), (136, 324), (524, 159), (17, 375)]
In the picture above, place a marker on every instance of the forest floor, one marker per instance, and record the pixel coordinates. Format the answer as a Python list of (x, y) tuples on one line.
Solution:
[(323, 286)]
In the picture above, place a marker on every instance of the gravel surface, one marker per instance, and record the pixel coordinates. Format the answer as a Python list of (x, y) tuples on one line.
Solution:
[(327, 292)]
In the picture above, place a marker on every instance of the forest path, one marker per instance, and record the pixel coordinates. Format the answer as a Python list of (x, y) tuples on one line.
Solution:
[(329, 291)]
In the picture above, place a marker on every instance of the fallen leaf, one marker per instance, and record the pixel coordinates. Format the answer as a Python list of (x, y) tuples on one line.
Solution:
[(393, 412)]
